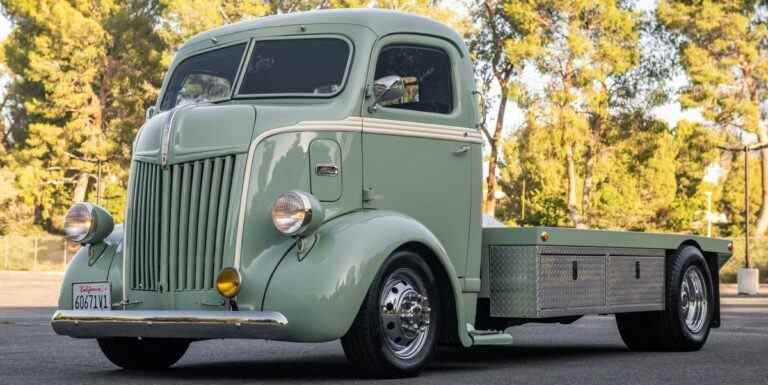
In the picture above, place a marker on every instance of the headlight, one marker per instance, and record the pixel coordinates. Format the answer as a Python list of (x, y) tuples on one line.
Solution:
[(296, 212), (87, 223)]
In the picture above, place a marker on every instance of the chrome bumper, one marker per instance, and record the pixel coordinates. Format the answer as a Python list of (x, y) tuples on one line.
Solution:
[(170, 324)]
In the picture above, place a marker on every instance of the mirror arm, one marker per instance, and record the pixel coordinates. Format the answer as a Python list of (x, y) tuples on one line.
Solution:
[(370, 94)]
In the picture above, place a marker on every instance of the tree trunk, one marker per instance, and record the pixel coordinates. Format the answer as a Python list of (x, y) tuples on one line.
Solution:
[(573, 209), (489, 205), (762, 217), (589, 165), (81, 187), (596, 125)]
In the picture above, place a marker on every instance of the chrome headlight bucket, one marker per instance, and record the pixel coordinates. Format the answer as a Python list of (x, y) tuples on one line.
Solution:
[(295, 213), (86, 223)]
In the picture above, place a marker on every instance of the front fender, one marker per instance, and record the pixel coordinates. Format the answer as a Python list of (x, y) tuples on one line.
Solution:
[(321, 293), (95, 263)]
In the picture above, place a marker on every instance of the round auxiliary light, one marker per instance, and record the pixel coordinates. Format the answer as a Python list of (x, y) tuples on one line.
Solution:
[(87, 223), (228, 282), (296, 212)]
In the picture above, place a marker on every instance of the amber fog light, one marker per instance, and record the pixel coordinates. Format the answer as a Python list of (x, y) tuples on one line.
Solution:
[(228, 282)]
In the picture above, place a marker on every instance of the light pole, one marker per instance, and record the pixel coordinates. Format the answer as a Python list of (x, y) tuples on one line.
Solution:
[(748, 281)]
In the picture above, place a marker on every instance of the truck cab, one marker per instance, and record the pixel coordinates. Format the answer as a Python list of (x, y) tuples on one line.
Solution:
[(316, 176)]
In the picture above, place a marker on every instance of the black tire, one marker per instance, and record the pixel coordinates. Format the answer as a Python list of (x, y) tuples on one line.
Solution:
[(143, 354), (668, 329), (369, 346)]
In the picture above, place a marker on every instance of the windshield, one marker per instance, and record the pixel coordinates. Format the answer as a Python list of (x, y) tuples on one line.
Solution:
[(296, 67), (203, 78)]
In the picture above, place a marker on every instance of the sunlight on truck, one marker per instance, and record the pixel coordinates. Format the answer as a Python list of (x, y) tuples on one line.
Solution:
[(317, 176)]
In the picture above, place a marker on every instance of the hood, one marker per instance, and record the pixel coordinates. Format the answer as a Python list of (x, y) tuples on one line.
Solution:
[(195, 132)]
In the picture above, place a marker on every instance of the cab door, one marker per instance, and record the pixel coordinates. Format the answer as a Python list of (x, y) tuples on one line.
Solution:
[(417, 149)]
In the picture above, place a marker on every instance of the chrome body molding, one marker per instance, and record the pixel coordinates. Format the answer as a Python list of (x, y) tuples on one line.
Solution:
[(350, 124), (198, 324), (421, 130)]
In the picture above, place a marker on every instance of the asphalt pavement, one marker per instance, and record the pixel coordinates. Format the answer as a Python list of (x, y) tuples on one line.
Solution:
[(589, 351)]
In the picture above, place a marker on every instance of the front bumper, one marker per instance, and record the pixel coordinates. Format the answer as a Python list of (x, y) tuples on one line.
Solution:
[(170, 324)]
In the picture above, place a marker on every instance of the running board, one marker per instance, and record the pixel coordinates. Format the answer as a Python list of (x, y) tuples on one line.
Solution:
[(489, 337)]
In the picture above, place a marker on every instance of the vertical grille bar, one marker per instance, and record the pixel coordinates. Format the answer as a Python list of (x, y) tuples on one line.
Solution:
[(173, 241), (131, 230), (194, 204), (165, 225), (210, 235), (156, 228), (141, 238), (186, 184), (205, 190), (221, 221), (177, 222)]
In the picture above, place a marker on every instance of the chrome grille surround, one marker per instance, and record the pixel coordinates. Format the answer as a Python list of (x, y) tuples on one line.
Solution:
[(177, 221)]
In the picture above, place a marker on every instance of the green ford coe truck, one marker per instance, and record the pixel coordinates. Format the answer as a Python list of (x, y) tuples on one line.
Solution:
[(317, 176)]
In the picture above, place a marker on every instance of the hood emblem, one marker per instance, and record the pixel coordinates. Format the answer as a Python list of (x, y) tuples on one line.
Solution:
[(166, 140)]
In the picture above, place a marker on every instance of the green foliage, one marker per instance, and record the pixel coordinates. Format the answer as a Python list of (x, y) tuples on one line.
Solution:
[(724, 51), (83, 72), (80, 75)]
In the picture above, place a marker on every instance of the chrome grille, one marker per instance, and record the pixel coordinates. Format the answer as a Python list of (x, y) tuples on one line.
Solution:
[(177, 223)]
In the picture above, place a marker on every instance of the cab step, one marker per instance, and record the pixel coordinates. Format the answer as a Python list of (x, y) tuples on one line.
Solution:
[(489, 337)]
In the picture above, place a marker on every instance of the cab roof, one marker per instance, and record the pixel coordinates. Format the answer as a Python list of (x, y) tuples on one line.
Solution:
[(381, 22)]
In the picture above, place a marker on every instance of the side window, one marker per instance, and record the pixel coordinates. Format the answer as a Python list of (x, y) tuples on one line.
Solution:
[(426, 73)]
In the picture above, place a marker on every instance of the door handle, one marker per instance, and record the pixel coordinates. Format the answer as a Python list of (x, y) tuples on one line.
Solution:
[(461, 149)]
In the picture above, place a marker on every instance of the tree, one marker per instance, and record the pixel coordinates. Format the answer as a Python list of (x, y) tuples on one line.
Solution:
[(724, 54), (489, 46), (82, 74), (182, 19), (585, 47)]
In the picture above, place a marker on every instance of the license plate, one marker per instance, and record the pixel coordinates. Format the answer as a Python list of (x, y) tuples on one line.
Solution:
[(91, 296)]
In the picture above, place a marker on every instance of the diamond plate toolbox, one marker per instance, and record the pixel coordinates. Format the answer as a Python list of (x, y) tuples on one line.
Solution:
[(540, 282)]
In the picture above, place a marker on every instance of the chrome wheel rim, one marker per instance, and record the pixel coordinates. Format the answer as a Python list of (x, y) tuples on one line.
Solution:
[(405, 314), (694, 304)]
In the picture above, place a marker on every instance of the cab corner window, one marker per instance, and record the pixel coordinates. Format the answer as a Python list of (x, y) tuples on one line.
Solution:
[(205, 77), (426, 74)]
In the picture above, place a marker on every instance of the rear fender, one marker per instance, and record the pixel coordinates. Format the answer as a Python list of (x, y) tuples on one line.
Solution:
[(321, 293)]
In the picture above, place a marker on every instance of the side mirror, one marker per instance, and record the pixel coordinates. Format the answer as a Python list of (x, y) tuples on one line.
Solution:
[(151, 111), (387, 89), (479, 109), (480, 89)]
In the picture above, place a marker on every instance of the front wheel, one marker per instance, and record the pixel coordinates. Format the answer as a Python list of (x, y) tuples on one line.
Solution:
[(145, 353), (685, 323), (395, 331)]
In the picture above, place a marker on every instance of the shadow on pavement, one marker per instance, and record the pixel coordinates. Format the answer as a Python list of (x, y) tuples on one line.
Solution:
[(334, 366)]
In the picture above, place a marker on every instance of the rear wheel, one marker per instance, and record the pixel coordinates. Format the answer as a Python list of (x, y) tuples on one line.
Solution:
[(685, 322), (395, 331), (145, 353)]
